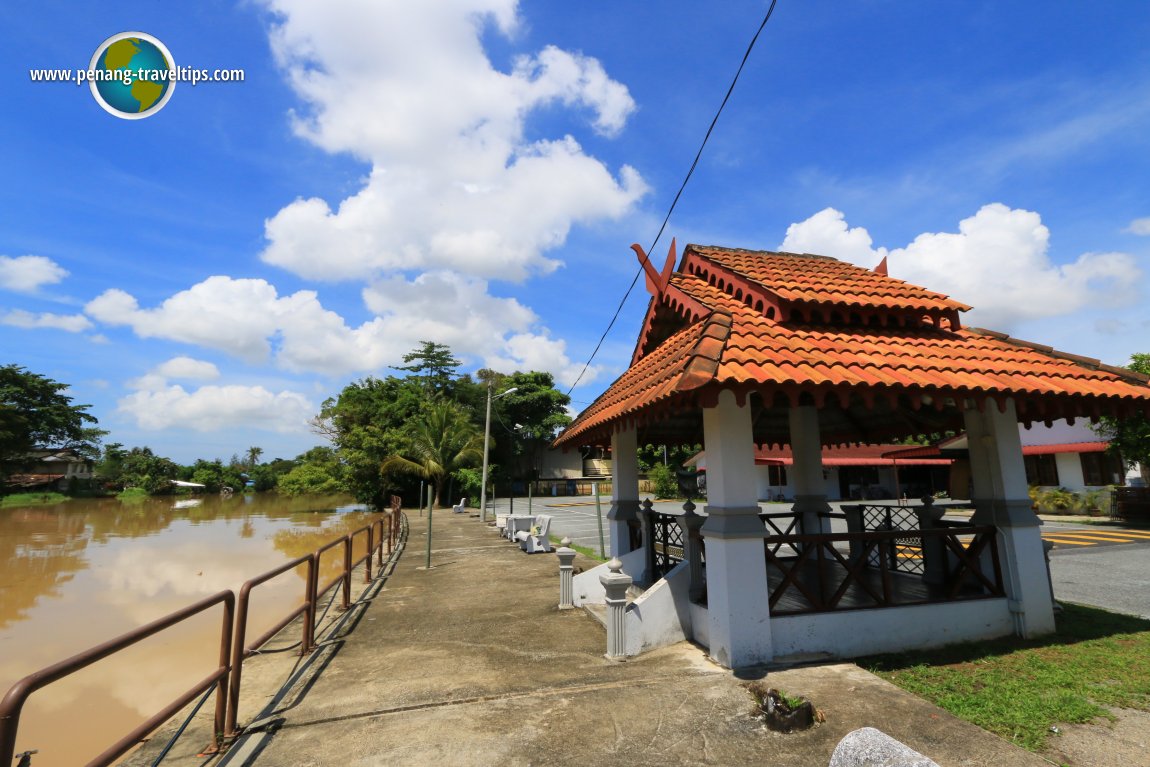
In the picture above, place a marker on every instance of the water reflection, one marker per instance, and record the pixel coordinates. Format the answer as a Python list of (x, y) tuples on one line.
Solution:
[(79, 573)]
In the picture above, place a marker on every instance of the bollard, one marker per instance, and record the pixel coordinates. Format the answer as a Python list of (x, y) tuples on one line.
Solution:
[(616, 584), (566, 556)]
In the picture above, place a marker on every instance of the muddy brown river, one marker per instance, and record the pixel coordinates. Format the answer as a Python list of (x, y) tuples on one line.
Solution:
[(76, 574)]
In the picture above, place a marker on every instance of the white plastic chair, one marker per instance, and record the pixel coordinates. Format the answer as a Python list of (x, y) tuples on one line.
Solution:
[(535, 539), (460, 507)]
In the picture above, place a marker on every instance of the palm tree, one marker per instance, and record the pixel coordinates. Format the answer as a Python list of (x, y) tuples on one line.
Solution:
[(254, 454), (441, 440)]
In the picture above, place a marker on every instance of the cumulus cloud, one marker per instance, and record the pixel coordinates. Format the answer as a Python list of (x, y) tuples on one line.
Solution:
[(188, 368), (998, 262), (73, 323), (159, 405), (1139, 226), (250, 320), (454, 183), (26, 274)]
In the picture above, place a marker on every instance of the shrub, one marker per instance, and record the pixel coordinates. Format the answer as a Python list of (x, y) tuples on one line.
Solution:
[(663, 480)]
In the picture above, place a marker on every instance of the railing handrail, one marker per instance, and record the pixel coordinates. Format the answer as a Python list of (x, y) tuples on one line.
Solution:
[(18, 694), (880, 534), (241, 650), (233, 651)]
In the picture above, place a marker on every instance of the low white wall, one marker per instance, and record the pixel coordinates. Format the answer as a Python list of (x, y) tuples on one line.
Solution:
[(586, 586), (851, 633), (662, 615)]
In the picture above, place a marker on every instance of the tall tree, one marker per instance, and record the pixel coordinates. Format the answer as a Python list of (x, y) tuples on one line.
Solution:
[(254, 454), (35, 412), (1130, 437), (434, 364), (367, 423), (527, 420), (441, 440)]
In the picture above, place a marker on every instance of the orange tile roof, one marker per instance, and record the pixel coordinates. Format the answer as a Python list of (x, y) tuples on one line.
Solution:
[(893, 367)]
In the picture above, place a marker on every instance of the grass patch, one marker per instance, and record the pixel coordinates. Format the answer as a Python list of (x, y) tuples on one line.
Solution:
[(133, 494), (32, 499), (589, 553), (1020, 688)]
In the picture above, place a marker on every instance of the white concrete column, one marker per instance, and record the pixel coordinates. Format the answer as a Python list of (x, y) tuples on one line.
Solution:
[(624, 490), (1000, 498), (807, 471), (737, 592)]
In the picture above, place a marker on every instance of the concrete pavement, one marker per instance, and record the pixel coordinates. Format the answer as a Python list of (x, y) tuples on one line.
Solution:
[(471, 663)]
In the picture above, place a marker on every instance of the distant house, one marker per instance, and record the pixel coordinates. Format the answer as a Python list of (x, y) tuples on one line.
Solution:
[(850, 472), (1061, 455), (50, 470)]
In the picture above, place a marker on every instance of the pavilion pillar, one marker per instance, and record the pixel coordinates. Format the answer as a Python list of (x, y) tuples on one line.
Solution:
[(1001, 499), (807, 471), (737, 590), (624, 513)]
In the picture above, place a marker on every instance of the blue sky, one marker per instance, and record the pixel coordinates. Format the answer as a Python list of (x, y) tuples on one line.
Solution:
[(473, 172)]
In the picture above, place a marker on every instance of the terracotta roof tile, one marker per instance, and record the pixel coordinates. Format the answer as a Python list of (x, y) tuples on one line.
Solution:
[(736, 345)]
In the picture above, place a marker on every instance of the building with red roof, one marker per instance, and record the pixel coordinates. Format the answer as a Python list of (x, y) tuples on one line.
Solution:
[(748, 351)]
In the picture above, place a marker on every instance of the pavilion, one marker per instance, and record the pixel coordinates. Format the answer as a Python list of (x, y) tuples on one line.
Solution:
[(740, 349)]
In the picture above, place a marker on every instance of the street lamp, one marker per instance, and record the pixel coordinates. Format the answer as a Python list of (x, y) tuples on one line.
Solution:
[(486, 441)]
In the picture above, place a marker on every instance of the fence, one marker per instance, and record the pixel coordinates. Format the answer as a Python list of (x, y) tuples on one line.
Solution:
[(226, 678), (822, 578)]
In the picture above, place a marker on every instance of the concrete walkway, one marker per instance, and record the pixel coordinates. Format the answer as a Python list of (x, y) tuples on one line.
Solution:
[(471, 663)]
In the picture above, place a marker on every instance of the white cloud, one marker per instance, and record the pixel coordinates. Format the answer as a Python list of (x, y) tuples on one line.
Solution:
[(1139, 226), (236, 316), (28, 273), (998, 262), (188, 368), (157, 405), (247, 318), (73, 323), (454, 184)]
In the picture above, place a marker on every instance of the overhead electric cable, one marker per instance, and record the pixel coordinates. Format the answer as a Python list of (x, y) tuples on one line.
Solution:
[(678, 194)]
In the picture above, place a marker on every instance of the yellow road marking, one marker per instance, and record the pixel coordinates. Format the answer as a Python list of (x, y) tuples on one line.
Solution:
[(1091, 536), (1135, 533), (1069, 541), (565, 505)]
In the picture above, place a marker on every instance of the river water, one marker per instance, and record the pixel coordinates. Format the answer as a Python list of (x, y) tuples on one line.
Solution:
[(76, 574)]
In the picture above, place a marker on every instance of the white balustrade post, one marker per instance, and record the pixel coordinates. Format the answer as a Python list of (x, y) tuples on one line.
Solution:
[(566, 556), (616, 583)]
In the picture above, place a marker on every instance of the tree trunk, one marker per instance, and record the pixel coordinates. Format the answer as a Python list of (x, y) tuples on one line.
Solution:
[(440, 482)]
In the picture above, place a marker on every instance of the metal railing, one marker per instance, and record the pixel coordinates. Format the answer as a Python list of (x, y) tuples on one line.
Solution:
[(18, 694), (668, 547), (234, 648), (822, 578)]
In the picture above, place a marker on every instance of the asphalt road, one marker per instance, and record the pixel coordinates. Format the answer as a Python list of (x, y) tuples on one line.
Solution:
[(1108, 574)]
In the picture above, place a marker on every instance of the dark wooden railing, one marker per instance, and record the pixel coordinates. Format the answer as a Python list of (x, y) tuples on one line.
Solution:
[(668, 549), (822, 577)]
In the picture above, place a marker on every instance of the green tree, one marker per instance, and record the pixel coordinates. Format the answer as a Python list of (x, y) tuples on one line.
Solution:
[(35, 412), (139, 467), (216, 476), (441, 440), (434, 364), (254, 454), (526, 420), (367, 423), (1130, 437), (317, 471)]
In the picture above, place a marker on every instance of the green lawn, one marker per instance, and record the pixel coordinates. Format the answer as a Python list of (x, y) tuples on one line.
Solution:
[(1019, 688)]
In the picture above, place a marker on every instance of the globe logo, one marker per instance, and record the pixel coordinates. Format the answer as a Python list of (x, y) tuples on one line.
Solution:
[(131, 75)]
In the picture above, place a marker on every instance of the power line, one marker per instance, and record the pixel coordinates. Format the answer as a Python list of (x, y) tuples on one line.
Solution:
[(678, 194)]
